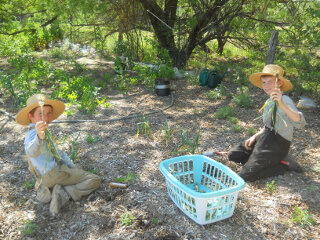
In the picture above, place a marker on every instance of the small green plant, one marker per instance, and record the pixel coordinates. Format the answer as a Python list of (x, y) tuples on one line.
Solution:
[(130, 177), (213, 95), (188, 144), (167, 132), (236, 128), (243, 100), (154, 221), (251, 131), (219, 93), (94, 170), (74, 149), (224, 91), (91, 139), (126, 219), (144, 127), (224, 112), (271, 186), (29, 227), (302, 217), (30, 184)]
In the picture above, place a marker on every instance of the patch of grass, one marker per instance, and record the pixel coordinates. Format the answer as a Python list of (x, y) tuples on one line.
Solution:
[(144, 127), (271, 186), (214, 95), (188, 144), (243, 100), (233, 120), (251, 131), (236, 128), (60, 53), (224, 112), (302, 217)]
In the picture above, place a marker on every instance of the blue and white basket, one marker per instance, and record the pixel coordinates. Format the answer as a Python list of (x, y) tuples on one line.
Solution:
[(204, 189)]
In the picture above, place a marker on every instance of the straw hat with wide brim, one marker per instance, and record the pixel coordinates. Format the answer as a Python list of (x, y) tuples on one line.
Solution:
[(271, 70), (33, 102)]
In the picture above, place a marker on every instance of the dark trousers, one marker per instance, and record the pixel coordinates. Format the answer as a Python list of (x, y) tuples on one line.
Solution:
[(264, 160)]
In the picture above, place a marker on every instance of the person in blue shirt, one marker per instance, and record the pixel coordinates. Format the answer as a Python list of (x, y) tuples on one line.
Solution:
[(58, 178), (265, 154)]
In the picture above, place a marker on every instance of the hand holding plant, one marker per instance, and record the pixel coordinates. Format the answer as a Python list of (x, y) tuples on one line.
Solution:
[(45, 134)]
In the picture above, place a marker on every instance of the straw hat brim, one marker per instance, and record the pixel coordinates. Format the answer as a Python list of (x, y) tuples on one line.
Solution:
[(57, 106), (255, 79)]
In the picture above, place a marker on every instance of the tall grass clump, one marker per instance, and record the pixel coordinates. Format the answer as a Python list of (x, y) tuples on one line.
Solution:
[(224, 112)]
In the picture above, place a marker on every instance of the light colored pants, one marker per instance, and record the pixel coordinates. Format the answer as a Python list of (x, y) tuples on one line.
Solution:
[(77, 182)]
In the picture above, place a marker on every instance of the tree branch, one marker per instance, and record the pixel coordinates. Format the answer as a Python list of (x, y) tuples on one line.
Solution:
[(263, 20), (31, 29)]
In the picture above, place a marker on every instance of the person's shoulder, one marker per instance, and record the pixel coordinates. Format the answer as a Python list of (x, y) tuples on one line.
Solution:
[(286, 98)]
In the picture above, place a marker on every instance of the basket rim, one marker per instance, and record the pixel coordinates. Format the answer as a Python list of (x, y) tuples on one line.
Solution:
[(176, 182)]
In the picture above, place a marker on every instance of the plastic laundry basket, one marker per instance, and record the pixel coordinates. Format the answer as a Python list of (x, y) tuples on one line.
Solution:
[(204, 189)]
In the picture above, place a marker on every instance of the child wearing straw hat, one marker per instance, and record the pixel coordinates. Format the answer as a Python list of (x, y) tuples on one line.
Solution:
[(58, 178), (265, 154)]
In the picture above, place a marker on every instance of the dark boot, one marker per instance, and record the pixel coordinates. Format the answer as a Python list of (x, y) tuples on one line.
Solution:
[(292, 165)]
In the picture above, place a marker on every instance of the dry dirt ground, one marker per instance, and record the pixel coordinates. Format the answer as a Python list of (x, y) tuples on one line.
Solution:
[(119, 151)]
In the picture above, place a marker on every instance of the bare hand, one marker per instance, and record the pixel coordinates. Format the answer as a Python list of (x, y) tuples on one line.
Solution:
[(249, 142), (276, 95), (40, 128)]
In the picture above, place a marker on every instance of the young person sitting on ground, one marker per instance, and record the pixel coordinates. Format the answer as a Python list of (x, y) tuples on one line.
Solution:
[(265, 153), (58, 178)]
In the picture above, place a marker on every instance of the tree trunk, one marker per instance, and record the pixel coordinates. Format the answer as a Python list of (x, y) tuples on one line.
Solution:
[(211, 22), (221, 43), (272, 47)]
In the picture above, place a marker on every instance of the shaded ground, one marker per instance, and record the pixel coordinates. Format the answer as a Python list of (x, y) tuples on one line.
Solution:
[(119, 151)]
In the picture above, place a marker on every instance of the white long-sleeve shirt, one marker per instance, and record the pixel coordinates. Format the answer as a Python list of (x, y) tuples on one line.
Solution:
[(36, 150), (284, 125)]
